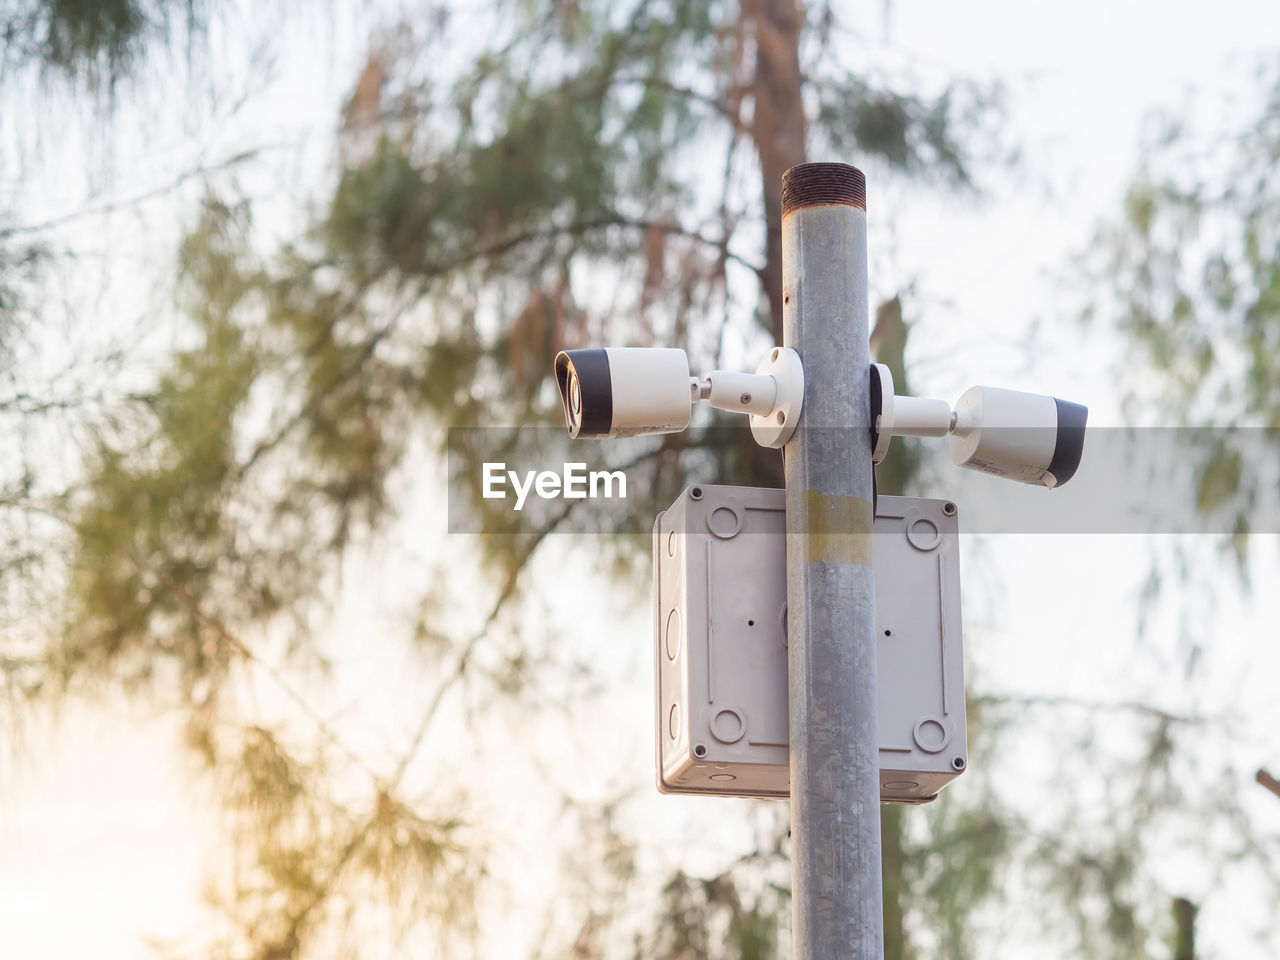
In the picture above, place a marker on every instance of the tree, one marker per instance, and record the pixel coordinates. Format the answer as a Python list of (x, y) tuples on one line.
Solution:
[(88, 48), (553, 187), (1190, 277), (98, 42), (454, 256), (1187, 275)]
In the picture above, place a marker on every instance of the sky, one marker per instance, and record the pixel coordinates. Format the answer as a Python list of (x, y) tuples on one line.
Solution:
[(103, 832)]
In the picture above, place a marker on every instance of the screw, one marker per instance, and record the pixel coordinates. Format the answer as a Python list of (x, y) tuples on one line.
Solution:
[(744, 399)]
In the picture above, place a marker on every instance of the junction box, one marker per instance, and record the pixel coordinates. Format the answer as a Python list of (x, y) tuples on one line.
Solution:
[(720, 619)]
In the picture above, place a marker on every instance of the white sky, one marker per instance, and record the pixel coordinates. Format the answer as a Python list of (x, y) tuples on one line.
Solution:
[(102, 833)]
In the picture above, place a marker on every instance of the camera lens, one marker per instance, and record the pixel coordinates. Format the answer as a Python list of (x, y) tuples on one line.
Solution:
[(586, 393), (575, 400)]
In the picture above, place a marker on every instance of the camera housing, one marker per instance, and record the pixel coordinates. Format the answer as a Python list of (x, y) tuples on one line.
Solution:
[(1027, 437), (624, 391)]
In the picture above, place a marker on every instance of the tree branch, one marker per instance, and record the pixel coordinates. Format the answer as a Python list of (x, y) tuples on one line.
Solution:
[(184, 597), (324, 887), (111, 206), (268, 444), (612, 219), (726, 108)]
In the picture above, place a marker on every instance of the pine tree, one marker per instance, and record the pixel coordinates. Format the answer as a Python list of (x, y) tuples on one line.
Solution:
[(509, 181)]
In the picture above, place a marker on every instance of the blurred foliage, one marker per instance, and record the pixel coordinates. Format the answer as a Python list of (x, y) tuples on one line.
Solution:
[(553, 191), (940, 139), (1188, 273), (74, 47), (1190, 276), (19, 271), (97, 42), (509, 181)]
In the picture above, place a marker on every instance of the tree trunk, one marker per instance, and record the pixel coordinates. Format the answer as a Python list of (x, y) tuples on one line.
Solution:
[(1184, 920), (777, 124), (895, 937)]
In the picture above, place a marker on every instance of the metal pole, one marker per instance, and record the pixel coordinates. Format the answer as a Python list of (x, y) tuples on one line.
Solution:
[(835, 790)]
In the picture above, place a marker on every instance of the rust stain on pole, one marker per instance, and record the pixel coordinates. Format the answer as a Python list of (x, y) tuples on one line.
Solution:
[(823, 184), (836, 528)]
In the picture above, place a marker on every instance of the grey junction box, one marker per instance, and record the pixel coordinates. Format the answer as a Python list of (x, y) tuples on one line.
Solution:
[(720, 597)]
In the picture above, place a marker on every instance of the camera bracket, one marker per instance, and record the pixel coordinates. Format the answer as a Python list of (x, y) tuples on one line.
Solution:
[(771, 397), (894, 416), (775, 428)]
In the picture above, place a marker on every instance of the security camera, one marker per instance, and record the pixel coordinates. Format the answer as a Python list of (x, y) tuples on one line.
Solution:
[(1027, 437), (624, 391), (628, 391)]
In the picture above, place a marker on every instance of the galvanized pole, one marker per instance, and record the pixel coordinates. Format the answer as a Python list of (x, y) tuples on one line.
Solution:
[(835, 791)]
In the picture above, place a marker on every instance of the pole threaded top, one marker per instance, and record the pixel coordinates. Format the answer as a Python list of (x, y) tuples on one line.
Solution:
[(817, 184)]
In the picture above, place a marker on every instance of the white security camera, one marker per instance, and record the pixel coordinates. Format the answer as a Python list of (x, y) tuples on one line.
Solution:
[(628, 391), (1028, 437), (624, 391)]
